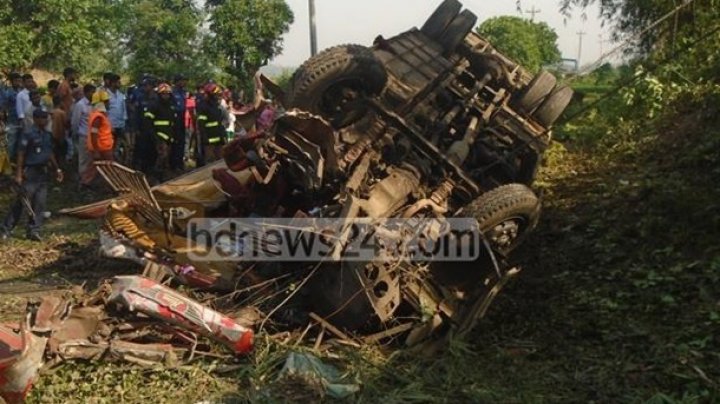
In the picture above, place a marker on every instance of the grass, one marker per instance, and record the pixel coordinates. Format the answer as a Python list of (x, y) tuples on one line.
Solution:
[(618, 300)]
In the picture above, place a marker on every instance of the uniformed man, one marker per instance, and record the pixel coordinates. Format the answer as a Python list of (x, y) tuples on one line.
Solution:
[(209, 121), (143, 96), (159, 120), (34, 158)]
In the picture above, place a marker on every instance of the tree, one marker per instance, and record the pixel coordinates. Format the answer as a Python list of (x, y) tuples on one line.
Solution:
[(247, 33), (633, 19), (51, 33), (162, 38), (531, 44)]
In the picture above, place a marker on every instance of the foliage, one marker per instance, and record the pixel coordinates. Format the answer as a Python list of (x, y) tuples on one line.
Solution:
[(161, 37), (283, 79), (632, 17), (532, 44), (164, 38), (52, 33), (247, 33)]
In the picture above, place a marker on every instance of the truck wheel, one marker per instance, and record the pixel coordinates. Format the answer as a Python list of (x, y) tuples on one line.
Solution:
[(336, 83), (540, 86), (505, 215), (456, 32), (441, 18), (554, 105)]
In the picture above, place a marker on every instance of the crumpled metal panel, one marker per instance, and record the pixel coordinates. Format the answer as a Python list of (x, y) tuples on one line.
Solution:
[(144, 295), (19, 368)]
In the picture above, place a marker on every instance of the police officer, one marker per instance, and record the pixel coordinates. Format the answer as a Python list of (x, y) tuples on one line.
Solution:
[(34, 155), (210, 116), (159, 120)]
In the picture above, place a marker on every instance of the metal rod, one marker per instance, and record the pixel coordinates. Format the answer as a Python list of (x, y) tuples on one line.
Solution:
[(313, 28)]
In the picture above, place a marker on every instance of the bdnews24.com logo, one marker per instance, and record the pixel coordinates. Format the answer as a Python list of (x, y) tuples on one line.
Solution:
[(321, 239)]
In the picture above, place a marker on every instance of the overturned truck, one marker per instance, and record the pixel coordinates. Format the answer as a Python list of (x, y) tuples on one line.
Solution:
[(431, 124)]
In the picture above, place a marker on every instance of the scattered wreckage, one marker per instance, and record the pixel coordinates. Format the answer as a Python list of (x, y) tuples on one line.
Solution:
[(433, 123)]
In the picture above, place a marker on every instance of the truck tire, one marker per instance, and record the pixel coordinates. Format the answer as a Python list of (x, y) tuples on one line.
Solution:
[(505, 215), (540, 86), (441, 18), (336, 83), (553, 106), (456, 32)]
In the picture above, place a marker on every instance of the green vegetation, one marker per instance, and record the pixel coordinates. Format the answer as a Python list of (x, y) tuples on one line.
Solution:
[(531, 44), (619, 296), (232, 38), (247, 33)]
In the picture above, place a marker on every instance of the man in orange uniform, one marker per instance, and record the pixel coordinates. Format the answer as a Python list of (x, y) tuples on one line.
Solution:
[(100, 138)]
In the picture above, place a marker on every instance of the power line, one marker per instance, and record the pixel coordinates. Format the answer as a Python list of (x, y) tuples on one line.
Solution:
[(635, 36), (532, 13)]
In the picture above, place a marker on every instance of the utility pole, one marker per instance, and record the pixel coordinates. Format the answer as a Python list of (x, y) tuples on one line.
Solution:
[(532, 12), (313, 29), (580, 35)]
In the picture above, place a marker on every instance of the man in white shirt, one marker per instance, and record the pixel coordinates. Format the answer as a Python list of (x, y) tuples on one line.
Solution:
[(79, 126), (22, 102), (35, 104)]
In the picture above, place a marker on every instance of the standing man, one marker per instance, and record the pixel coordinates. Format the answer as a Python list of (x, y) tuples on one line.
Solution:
[(117, 111), (99, 138), (47, 99), (79, 126), (177, 151), (143, 96), (159, 120), (65, 89), (35, 104), (13, 126), (211, 130), (34, 155), (23, 98), (60, 127)]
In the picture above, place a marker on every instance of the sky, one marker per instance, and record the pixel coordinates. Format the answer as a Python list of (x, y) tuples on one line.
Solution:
[(360, 21)]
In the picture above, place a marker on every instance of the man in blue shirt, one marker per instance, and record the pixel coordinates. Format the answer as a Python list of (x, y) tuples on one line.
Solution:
[(79, 126), (117, 111), (34, 155), (177, 152), (13, 126)]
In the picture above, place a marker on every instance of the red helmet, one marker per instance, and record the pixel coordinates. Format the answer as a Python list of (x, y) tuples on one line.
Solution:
[(212, 88)]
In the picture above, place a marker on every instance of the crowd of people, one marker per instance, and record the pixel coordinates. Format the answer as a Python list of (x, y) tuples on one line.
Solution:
[(157, 126)]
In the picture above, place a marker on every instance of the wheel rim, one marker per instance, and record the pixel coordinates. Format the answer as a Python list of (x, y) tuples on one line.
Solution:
[(504, 235)]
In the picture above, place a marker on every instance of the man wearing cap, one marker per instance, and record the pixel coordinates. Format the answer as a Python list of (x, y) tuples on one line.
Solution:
[(177, 150), (99, 138), (210, 127), (34, 155), (159, 120)]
